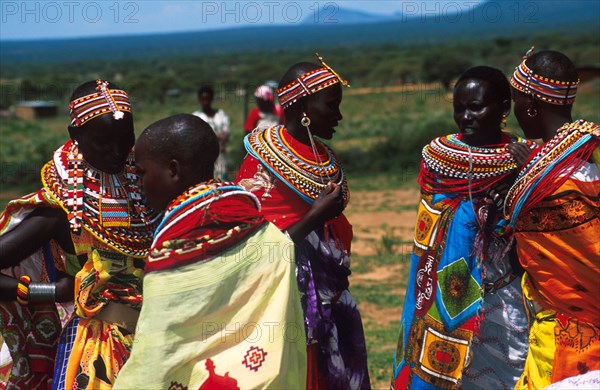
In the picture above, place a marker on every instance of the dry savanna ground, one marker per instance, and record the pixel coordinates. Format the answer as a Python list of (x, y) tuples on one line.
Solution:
[(383, 223)]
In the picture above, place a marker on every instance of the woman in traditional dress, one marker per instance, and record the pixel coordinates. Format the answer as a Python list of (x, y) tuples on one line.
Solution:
[(91, 206), (303, 190), (221, 306), (463, 321), (554, 209)]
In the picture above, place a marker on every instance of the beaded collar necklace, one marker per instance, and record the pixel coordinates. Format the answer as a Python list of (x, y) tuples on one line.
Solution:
[(202, 195), (451, 165), (273, 147), (561, 149), (107, 205)]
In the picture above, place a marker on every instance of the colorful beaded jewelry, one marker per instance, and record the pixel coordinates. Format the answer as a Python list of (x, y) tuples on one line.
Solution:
[(23, 290), (106, 100), (549, 90), (302, 175), (449, 162), (74, 199), (107, 205), (566, 151), (309, 83)]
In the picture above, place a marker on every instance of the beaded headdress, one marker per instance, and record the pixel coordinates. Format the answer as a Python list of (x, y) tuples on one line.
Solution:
[(549, 90), (309, 83), (102, 102)]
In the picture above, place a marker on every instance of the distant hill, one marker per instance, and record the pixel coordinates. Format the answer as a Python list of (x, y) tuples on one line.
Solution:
[(350, 29)]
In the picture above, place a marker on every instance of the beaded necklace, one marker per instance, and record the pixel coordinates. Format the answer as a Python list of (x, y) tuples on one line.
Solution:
[(451, 165), (205, 220), (303, 175), (107, 205), (565, 152), (201, 195)]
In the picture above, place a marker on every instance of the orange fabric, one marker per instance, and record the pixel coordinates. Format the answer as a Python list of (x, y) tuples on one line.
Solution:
[(99, 352), (578, 348), (559, 237)]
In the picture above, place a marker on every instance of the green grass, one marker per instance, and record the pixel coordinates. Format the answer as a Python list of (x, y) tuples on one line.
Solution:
[(381, 329)]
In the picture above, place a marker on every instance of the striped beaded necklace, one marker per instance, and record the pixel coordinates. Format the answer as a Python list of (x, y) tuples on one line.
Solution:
[(451, 165), (564, 153), (303, 175)]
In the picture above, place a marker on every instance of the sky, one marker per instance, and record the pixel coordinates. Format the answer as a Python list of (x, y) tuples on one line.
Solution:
[(47, 19)]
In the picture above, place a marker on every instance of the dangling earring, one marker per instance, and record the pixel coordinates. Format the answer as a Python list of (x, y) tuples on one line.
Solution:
[(532, 111), (503, 121), (75, 187), (305, 121)]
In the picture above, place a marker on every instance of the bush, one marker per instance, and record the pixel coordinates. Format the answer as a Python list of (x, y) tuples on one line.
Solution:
[(25, 148)]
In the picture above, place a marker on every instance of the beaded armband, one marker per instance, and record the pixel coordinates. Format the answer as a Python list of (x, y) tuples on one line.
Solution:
[(23, 290)]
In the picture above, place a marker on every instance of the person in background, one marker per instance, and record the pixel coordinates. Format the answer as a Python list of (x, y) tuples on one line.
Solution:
[(267, 112), (219, 122)]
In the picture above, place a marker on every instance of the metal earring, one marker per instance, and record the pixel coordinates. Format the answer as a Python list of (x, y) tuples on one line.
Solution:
[(532, 112), (305, 121), (503, 120)]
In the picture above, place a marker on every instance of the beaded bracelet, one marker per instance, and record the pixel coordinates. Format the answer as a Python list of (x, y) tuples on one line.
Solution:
[(23, 290)]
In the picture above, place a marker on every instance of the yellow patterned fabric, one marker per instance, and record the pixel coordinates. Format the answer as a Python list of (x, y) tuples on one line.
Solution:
[(101, 348), (99, 351)]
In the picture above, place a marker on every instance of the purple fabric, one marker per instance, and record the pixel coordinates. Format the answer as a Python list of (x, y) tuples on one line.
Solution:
[(331, 316)]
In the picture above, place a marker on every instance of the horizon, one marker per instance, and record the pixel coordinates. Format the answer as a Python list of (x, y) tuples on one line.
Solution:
[(38, 20)]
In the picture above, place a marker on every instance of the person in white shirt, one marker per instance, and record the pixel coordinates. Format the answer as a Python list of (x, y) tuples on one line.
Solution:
[(219, 121)]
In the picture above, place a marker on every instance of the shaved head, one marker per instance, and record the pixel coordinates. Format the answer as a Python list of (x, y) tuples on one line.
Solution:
[(183, 137)]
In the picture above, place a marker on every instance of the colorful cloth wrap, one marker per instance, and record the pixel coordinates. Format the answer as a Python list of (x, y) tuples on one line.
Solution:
[(111, 246), (30, 333), (287, 177), (445, 340), (555, 207), (221, 307)]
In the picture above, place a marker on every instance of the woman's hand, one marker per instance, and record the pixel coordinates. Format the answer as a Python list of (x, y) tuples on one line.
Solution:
[(520, 152), (329, 204)]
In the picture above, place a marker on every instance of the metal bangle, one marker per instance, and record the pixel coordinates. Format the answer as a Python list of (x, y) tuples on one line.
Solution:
[(40, 293)]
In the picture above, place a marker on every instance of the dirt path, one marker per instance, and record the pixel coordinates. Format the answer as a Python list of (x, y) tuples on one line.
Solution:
[(375, 214)]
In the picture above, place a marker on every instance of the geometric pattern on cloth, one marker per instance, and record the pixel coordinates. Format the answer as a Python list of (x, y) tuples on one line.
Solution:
[(65, 345), (254, 358), (458, 291), (31, 337), (427, 225), (439, 357), (226, 322)]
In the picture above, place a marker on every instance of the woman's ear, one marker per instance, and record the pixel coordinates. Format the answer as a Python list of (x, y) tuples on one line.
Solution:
[(175, 170)]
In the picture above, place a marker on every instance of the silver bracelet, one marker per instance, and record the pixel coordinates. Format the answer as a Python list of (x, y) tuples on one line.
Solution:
[(40, 293)]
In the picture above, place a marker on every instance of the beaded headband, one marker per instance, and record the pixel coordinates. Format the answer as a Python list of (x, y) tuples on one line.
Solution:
[(309, 83), (102, 102), (544, 88)]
